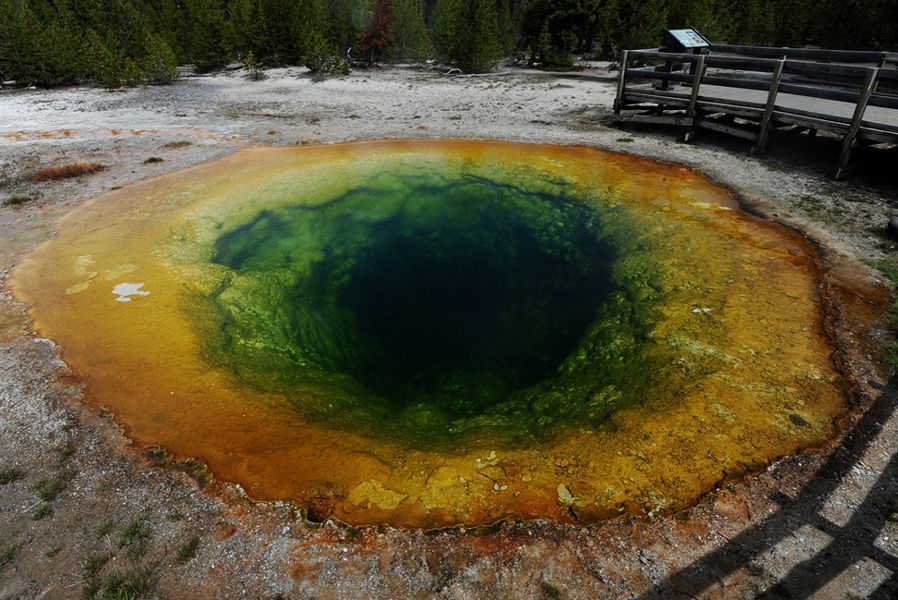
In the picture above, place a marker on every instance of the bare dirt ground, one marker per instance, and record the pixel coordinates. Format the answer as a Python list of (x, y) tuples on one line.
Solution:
[(85, 514)]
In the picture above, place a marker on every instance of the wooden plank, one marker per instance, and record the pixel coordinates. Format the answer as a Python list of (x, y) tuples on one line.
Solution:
[(804, 67), (657, 95), (733, 111), (888, 74), (621, 82), (653, 74), (653, 119), (833, 81), (741, 63), (848, 141), (815, 123), (744, 83), (877, 136), (881, 126), (834, 118), (764, 132), (884, 100), (659, 101), (847, 56), (748, 104), (813, 115), (724, 128), (665, 56), (825, 93)]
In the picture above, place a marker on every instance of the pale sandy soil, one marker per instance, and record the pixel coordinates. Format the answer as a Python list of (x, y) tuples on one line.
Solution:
[(822, 523)]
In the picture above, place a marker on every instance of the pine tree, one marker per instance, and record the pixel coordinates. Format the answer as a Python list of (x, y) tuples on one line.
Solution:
[(159, 62), (122, 42), (101, 62), (205, 43), (410, 31), (345, 20), (467, 34), (631, 24)]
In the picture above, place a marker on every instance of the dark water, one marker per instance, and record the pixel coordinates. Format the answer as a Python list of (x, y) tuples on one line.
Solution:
[(415, 300)]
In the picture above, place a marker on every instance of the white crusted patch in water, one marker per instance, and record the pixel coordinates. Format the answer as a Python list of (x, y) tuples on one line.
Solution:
[(124, 291)]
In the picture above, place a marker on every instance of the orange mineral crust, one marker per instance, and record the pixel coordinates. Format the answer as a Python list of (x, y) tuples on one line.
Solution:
[(226, 312)]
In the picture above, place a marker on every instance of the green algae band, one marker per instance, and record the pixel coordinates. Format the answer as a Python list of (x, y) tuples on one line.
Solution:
[(430, 334), (422, 305)]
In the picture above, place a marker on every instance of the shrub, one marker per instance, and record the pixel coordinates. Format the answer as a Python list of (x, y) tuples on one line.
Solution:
[(75, 169)]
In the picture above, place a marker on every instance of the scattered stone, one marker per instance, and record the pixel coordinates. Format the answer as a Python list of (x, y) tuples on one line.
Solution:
[(892, 228), (798, 420), (565, 495)]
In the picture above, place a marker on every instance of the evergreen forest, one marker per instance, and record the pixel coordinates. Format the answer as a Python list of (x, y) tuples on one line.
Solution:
[(128, 42)]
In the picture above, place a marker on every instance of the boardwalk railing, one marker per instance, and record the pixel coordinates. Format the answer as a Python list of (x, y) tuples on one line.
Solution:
[(747, 91)]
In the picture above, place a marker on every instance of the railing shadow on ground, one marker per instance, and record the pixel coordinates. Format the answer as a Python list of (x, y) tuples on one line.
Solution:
[(849, 544)]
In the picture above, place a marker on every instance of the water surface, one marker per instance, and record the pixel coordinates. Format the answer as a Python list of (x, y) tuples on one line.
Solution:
[(439, 333)]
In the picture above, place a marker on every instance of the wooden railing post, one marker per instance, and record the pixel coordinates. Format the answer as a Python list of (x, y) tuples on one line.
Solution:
[(764, 134), (621, 82), (696, 84), (856, 120), (693, 97)]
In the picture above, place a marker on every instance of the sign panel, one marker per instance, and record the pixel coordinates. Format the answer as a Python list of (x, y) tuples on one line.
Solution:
[(688, 38)]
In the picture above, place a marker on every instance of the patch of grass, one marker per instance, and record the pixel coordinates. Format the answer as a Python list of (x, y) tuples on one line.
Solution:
[(104, 529), (7, 553), (66, 451), (44, 510), (153, 159), (188, 550), (194, 468), (892, 354), (92, 565), (135, 536), (128, 586), (17, 200), (90, 569), (90, 589), (549, 590), (48, 489), (158, 455), (625, 139), (67, 171), (889, 268), (10, 475)]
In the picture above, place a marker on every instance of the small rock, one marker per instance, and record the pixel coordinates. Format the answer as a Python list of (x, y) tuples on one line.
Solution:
[(892, 228), (798, 420), (565, 495)]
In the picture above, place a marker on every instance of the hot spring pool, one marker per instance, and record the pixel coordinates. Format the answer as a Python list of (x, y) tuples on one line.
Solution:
[(439, 333)]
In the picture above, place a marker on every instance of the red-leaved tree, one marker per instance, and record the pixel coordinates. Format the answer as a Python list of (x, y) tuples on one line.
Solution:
[(377, 37)]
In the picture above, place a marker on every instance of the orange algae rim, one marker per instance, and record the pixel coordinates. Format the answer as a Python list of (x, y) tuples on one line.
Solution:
[(555, 507)]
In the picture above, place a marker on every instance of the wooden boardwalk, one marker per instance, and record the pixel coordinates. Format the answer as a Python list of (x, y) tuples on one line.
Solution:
[(742, 91)]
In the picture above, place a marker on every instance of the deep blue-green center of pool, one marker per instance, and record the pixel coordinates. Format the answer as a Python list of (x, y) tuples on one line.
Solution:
[(421, 307)]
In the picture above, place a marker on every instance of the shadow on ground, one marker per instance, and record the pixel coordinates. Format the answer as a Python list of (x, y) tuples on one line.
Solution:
[(853, 542), (873, 166)]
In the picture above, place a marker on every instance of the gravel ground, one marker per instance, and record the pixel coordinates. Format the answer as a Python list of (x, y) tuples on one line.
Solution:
[(84, 511)]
